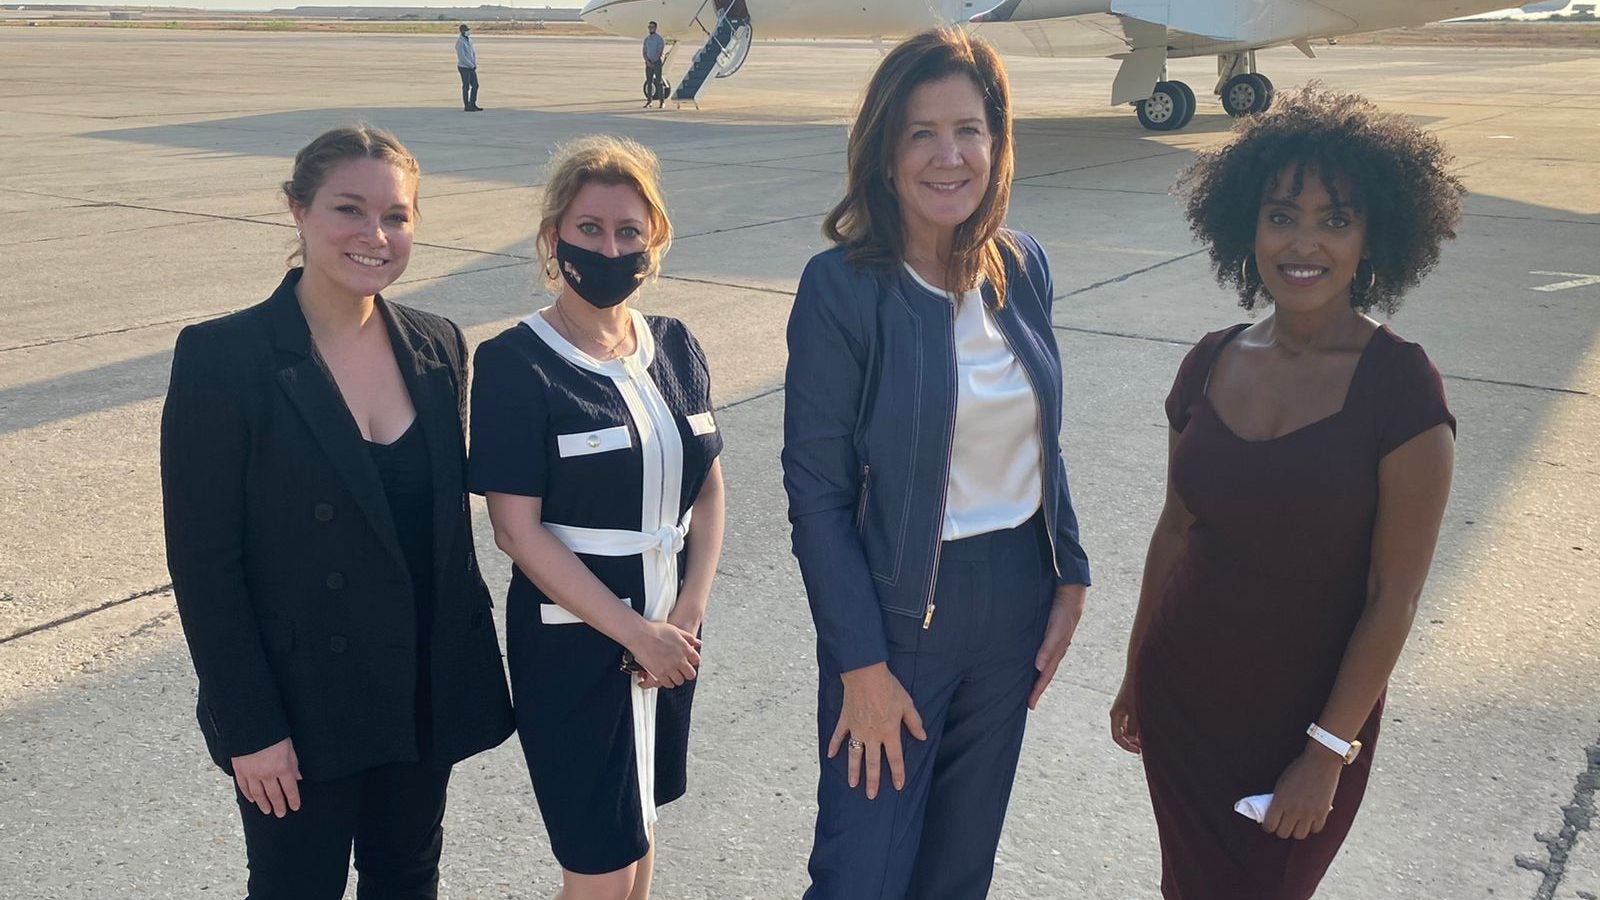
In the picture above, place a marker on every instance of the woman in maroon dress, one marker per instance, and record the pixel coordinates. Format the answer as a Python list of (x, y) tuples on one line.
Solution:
[(1309, 464)]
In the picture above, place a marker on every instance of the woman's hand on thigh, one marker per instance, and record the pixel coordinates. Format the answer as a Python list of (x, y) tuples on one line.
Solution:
[(1065, 612), (875, 706), (270, 778), (1125, 718), (1303, 796)]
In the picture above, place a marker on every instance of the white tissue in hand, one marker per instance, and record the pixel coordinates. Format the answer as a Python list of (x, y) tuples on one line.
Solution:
[(1254, 808)]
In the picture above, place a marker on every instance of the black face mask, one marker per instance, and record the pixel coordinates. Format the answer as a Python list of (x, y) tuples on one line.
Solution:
[(603, 281)]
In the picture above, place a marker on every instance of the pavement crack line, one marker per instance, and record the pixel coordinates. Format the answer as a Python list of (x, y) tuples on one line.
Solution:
[(795, 218), (82, 613), (727, 284), (1127, 275), (1576, 817), (94, 334), (1101, 165)]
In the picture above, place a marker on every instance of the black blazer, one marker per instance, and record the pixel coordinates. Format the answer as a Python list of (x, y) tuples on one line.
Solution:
[(294, 594)]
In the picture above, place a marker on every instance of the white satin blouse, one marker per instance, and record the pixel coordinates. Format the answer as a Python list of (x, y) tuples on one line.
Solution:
[(995, 481)]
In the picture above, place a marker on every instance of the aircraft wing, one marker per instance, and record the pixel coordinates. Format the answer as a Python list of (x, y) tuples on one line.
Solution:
[(1089, 35), (1239, 21), (1184, 27)]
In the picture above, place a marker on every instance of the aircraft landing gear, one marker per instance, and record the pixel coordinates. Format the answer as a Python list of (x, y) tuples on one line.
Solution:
[(1243, 89), (1247, 94), (1170, 107)]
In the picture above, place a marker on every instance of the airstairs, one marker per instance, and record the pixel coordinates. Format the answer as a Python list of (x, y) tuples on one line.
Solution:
[(727, 45)]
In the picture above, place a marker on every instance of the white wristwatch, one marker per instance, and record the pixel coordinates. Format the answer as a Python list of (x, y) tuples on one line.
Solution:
[(1347, 750)]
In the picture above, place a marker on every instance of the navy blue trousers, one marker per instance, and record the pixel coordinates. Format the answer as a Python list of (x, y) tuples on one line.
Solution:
[(969, 674)]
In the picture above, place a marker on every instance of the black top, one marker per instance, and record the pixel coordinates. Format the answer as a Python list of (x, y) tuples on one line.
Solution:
[(403, 468)]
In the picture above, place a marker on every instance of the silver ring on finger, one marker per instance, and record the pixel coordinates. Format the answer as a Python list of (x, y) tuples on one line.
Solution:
[(856, 746)]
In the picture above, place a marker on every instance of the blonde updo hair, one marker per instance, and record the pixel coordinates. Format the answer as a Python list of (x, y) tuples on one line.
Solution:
[(331, 148), (604, 159)]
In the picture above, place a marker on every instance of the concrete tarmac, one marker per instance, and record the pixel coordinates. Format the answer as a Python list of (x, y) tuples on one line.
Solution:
[(138, 193)]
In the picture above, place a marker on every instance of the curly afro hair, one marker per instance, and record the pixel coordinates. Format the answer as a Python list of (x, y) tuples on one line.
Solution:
[(1398, 175)]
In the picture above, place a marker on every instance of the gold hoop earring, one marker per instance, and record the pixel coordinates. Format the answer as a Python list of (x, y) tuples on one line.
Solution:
[(1358, 294), (1245, 280)]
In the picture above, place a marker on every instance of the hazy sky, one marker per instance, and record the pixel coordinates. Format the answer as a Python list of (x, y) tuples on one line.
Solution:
[(290, 4)]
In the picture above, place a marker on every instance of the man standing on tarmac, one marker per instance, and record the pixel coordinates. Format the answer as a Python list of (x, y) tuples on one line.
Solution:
[(655, 50), (467, 65)]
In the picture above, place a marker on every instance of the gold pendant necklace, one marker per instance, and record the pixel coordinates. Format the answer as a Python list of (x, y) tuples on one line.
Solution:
[(610, 351)]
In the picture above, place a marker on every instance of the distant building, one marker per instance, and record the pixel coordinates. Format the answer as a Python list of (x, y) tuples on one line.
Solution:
[(485, 13)]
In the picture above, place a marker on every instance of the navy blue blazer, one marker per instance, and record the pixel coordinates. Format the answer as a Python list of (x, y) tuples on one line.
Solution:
[(289, 576), (869, 420)]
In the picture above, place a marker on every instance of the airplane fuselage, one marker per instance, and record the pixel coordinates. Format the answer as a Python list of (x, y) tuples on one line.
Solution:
[(676, 19), (1143, 34), (891, 19)]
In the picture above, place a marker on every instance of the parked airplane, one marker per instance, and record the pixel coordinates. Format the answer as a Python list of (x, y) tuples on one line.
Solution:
[(1144, 34)]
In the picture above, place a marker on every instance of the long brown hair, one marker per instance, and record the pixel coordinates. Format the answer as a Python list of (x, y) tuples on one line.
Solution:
[(867, 221)]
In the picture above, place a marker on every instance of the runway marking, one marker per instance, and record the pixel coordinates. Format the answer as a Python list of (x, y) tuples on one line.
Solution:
[(1579, 280)]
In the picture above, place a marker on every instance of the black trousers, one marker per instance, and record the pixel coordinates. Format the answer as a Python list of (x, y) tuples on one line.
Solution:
[(469, 86), (393, 815)]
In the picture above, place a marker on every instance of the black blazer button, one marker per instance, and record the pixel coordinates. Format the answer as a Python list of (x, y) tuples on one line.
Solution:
[(338, 644), (322, 512), (469, 563), (334, 581)]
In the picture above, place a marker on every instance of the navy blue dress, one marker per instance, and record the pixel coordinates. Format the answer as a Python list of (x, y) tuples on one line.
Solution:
[(589, 438)]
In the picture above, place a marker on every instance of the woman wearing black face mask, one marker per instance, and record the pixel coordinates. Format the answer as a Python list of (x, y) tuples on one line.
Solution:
[(594, 442)]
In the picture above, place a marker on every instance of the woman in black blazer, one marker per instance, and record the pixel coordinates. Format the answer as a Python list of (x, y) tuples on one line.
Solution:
[(320, 542)]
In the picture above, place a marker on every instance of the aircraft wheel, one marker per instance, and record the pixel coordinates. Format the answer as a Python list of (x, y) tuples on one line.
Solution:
[(1272, 92), (1246, 95), (1194, 104), (1170, 107)]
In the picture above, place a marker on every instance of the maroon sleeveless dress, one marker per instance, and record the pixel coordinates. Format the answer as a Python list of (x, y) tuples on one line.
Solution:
[(1252, 628)]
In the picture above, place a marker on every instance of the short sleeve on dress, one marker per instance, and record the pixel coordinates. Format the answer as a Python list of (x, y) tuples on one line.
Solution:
[(1413, 399), (509, 454), (1189, 384), (700, 376)]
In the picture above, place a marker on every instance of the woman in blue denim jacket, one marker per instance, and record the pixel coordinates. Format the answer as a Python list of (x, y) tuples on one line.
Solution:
[(929, 501)]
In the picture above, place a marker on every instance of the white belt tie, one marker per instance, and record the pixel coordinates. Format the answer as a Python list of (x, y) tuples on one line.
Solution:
[(658, 550)]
